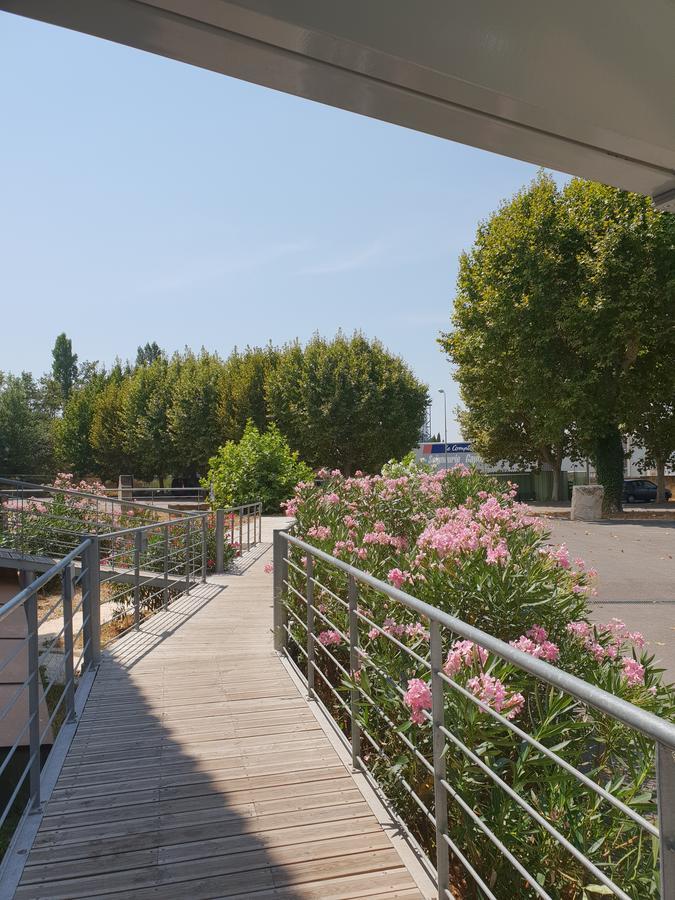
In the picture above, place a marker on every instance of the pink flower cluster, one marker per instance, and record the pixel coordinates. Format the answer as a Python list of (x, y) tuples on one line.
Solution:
[(321, 532), (395, 629), (617, 637), (398, 578), (417, 698), (536, 643), (494, 693), (464, 653), (330, 638)]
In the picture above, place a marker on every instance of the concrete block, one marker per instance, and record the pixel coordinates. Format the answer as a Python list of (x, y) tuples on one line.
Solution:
[(587, 502)]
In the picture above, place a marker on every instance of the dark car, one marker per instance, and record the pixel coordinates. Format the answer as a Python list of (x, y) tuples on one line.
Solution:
[(639, 490)]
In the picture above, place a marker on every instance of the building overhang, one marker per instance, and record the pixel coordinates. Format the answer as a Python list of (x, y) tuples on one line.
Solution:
[(584, 88)]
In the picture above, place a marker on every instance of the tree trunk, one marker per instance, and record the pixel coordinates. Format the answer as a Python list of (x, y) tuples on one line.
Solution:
[(559, 490), (609, 469), (160, 478), (660, 479)]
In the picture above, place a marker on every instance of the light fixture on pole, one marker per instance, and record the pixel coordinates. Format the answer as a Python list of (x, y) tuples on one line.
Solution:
[(445, 421)]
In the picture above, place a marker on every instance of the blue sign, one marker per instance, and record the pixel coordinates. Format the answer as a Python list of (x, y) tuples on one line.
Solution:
[(460, 447)]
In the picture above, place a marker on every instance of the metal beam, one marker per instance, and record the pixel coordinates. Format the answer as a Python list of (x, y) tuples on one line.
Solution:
[(578, 87)]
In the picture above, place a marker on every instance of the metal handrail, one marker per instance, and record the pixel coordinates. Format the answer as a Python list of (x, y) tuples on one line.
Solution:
[(103, 498), (657, 729)]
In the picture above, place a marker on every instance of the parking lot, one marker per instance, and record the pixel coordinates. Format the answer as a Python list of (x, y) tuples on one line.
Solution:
[(636, 576)]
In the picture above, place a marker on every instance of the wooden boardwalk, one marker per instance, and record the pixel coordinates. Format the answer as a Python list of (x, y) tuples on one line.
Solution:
[(199, 771)]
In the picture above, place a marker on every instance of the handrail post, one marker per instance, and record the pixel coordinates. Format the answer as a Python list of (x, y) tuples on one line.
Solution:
[(220, 541), (204, 560), (67, 600), (248, 528), (260, 522), (241, 531), (438, 720), (665, 795), (187, 556), (91, 606), (31, 611), (165, 589), (279, 550), (137, 580), (354, 666), (309, 595)]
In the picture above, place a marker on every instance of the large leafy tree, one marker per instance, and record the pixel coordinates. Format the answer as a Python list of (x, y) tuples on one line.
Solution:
[(242, 389), (146, 400), (193, 423), (148, 353), (72, 432), (25, 428), (653, 427), (346, 403), (64, 365), (508, 343), (107, 434), (562, 309)]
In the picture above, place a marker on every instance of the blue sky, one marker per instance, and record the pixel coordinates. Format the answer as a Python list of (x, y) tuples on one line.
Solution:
[(144, 199)]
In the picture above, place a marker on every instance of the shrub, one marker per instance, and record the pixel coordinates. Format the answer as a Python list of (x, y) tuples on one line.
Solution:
[(261, 466), (458, 541)]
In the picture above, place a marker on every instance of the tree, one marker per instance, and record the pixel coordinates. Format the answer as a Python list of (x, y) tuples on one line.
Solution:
[(561, 311), (261, 466), (346, 403), (148, 354), (107, 435), (194, 427), (25, 429), (619, 327), (242, 389), (72, 435), (653, 427), (146, 400), (508, 342), (64, 365)]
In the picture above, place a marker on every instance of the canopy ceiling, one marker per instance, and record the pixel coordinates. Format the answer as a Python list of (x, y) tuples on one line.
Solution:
[(582, 87)]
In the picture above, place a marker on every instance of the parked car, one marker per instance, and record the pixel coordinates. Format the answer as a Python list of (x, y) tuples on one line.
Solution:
[(640, 490)]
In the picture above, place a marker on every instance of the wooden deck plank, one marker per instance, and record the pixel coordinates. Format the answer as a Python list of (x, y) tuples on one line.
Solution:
[(198, 771)]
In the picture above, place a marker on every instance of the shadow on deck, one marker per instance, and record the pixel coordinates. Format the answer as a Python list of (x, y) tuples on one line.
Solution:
[(197, 770)]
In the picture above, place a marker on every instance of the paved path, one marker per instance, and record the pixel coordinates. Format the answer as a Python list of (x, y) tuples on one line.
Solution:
[(199, 771), (636, 576)]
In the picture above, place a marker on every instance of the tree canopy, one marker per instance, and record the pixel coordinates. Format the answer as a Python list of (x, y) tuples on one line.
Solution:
[(563, 308), (346, 403), (64, 365)]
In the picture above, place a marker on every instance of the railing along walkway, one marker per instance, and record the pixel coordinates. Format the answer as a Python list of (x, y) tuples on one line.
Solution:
[(198, 770)]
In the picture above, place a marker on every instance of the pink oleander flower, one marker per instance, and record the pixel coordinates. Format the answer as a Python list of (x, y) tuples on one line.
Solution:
[(637, 638), (562, 556), (268, 568), (398, 578), (417, 630), (497, 553), (392, 627), (350, 522), (322, 532), (336, 473), (579, 629), (331, 499), (330, 638), (464, 653), (494, 693), (417, 698), (538, 633), (373, 634), (633, 671)]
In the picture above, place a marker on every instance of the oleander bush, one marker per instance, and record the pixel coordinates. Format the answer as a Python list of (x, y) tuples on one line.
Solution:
[(461, 543)]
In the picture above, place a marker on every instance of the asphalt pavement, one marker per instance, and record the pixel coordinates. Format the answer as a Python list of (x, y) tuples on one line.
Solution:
[(636, 576)]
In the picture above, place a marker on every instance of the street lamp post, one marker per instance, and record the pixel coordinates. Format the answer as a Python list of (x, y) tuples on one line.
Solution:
[(445, 422)]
